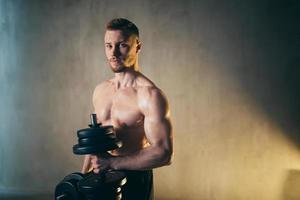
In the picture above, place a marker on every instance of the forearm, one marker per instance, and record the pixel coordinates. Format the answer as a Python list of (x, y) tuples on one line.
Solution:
[(86, 164), (147, 158)]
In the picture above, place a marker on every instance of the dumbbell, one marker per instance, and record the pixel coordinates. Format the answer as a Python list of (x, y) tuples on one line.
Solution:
[(106, 185), (99, 140)]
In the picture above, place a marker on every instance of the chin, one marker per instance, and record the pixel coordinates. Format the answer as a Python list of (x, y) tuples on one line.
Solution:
[(117, 69)]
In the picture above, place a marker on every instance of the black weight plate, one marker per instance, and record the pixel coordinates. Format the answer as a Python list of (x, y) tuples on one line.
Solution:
[(108, 182), (68, 187), (90, 132), (96, 140), (101, 136), (76, 176), (82, 150)]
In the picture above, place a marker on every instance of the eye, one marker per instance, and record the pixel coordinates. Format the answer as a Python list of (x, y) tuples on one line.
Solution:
[(109, 46), (123, 45)]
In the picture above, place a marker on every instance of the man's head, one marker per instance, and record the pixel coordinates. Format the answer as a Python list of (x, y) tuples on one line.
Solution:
[(122, 44)]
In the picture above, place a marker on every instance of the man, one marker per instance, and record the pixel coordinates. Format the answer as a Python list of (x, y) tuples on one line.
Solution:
[(137, 109)]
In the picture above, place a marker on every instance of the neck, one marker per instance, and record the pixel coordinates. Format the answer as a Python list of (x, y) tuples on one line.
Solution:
[(126, 78)]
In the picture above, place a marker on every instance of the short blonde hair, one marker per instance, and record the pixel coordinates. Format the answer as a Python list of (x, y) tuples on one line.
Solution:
[(124, 25)]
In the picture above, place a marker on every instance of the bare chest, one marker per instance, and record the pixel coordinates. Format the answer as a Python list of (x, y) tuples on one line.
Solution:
[(118, 108)]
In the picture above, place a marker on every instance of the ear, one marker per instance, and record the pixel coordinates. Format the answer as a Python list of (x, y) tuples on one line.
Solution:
[(138, 45)]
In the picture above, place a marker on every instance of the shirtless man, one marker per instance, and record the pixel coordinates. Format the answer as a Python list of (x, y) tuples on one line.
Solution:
[(137, 109)]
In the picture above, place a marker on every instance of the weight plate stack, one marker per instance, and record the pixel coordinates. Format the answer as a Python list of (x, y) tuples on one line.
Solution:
[(95, 140), (67, 189), (107, 185)]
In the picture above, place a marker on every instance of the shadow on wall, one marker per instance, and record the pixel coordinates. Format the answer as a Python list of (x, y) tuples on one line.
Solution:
[(270, 68), (291, 187)]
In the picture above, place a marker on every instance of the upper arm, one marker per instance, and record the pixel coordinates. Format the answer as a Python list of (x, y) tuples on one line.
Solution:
[(157, 124)]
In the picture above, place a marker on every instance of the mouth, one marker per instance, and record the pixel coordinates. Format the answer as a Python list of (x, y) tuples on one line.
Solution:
[(114, 60)]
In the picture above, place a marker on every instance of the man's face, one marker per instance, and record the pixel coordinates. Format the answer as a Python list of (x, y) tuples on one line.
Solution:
[(121, 50)]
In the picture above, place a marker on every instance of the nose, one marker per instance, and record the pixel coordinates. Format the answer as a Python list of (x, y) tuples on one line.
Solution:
[(116, 51)]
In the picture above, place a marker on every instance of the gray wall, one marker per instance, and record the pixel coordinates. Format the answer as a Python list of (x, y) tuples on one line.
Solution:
[(230, 70)]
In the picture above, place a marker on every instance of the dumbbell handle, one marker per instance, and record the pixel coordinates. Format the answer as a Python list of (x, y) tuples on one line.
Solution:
[(93, 117), (94, 123), (100, 175)]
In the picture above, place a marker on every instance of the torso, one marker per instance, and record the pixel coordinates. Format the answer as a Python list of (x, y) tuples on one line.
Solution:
[(120, 108)]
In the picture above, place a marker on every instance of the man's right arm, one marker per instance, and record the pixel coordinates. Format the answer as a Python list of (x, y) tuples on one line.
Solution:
[(87, 158), (86, 164)]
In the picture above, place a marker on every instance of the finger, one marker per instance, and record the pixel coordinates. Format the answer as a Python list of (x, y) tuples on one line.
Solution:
[(96, 166), (96, 171), (95, 159)]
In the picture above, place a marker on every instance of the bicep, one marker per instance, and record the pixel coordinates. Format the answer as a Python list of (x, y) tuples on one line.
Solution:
[(157, 124), (158, 132)]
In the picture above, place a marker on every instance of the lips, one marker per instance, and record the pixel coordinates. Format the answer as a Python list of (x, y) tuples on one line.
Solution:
[(114, 60)]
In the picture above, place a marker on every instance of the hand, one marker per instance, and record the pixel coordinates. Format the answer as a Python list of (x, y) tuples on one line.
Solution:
[(101, 162)]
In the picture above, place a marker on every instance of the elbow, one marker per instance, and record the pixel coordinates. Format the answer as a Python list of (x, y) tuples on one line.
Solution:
[(166, 157), (169, 158), (161, 155)]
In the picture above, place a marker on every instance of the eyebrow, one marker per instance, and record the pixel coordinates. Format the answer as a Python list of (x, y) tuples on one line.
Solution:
[(117, 42)]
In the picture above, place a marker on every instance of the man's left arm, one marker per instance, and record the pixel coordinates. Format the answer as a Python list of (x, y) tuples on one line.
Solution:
[(158, 130)]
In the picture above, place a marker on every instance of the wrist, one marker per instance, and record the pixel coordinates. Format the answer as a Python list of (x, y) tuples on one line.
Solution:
[(113, 164)]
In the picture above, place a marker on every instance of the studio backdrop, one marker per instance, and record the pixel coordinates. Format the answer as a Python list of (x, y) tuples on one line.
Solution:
[(230, 70)]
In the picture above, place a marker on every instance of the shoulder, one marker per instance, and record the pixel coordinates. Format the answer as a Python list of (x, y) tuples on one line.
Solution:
[(142, 81), (148, 91), (152, 99), (102, 87), (104, 84)]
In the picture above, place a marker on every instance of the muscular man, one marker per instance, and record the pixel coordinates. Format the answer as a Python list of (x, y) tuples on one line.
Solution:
[(137, 109)]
